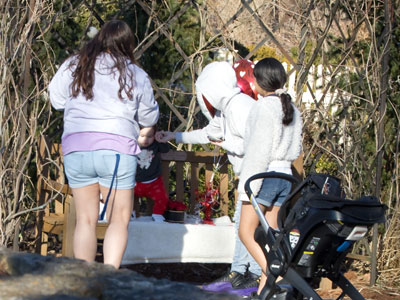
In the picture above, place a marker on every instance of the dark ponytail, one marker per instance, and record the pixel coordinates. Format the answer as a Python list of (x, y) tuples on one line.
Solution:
[(287, 108), (271, 77)]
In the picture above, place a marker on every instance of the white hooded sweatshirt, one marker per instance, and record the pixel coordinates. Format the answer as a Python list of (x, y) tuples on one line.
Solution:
[(217, 83)]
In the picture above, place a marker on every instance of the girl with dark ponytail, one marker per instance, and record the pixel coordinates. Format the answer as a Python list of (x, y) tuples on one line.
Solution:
[(271, 78), (272, 143)]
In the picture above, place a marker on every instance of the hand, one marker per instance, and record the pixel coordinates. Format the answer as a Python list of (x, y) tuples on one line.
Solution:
[(217, 143), (164, 136)]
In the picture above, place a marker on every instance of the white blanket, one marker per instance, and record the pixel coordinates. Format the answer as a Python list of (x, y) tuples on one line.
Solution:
[(151, 242)]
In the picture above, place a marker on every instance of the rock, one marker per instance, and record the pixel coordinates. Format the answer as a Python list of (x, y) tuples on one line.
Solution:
[(31, 276)]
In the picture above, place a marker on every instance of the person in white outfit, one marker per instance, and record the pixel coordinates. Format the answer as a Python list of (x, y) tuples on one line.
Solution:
[(227, 109), (272, 142), (105, 98)]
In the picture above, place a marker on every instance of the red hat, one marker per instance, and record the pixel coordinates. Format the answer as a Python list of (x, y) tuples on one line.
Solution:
[(245, 78)]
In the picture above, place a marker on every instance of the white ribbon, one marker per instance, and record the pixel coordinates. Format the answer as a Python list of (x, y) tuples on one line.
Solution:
[(281, 91)]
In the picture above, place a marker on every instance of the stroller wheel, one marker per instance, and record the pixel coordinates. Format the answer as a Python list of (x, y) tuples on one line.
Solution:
[(282, 294)]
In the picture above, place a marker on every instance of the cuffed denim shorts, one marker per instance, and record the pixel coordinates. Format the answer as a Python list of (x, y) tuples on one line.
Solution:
[(273, 191), (85, 168)]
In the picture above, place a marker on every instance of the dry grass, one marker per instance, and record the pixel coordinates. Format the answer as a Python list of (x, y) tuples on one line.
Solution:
[(389, 259)]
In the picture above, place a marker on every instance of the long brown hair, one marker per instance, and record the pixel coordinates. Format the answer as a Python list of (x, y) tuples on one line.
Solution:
[(115, 38)]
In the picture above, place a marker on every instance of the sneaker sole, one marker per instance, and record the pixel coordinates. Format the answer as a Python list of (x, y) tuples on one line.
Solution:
[(242, 292)]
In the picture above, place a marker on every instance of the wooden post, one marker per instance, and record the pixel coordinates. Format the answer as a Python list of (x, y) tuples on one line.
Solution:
[(69, 227)]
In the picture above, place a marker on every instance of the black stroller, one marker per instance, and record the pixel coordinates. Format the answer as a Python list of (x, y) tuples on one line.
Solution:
[(317, 229)]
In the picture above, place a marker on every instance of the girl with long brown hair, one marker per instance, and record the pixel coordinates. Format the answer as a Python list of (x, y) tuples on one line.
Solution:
[(106, 97)]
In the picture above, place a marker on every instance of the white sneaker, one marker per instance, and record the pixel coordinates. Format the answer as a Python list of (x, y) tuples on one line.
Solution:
[(101, 207), (158, 218)]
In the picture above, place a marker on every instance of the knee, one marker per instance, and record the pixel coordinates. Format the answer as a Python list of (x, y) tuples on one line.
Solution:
[(121, 220), (87, 221)]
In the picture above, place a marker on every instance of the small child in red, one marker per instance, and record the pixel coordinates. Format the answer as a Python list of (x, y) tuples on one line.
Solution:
[(149, 182)]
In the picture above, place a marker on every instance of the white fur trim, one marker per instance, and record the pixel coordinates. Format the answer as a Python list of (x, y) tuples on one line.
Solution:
[(281, 91)]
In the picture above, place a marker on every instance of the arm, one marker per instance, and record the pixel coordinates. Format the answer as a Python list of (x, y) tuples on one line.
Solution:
[(148, 110), (191, 137), (199, 136), (233, 146), (212, 132), (59, 87)]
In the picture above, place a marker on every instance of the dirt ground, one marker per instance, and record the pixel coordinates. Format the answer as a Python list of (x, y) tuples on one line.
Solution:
[(203, 273), (361, 282)]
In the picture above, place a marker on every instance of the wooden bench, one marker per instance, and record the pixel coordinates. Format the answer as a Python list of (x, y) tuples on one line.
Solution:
[(189, 169), (51, 192)]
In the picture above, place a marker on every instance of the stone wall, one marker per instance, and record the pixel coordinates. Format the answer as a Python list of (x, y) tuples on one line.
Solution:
[(31, 276)]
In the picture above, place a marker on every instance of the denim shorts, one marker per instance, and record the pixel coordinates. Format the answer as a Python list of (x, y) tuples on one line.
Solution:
[(85, 168), (273, 191)]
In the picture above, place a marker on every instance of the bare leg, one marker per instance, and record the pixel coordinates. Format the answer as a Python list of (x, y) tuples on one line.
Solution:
[(272, 216), (87, 212), (119, 210), (248, 225)]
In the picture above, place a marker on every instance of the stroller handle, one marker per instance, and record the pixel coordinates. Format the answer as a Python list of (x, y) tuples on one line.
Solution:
[(263, 175)]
